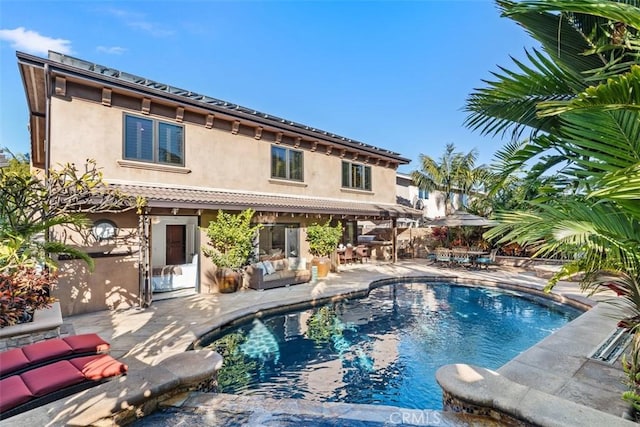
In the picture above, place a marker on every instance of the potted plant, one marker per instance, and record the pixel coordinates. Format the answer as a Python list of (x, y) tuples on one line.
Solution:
[(230, 247), (323, 240)]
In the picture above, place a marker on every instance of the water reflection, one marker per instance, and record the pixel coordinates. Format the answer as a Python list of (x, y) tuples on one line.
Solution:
[(383, 349)]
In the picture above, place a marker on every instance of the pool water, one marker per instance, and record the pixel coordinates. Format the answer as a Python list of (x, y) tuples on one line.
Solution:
[(383, 349)]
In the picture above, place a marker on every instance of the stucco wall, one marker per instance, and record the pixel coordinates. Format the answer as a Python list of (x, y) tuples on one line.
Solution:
[(216, 158), (112, 285), (114, 282), (433, 206), (219, 157)]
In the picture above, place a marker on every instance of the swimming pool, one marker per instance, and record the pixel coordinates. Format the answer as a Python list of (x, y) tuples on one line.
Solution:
[(383, 349)]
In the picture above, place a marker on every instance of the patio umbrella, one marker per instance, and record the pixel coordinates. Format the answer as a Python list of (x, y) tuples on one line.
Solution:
[(462, 219)]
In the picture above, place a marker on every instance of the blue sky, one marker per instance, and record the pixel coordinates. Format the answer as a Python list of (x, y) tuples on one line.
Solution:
[(393, 74)]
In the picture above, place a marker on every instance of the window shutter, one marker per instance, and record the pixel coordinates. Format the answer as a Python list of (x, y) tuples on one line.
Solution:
[(138, 139), (345, 174), (367, 178), (278, 162), (170, 144)]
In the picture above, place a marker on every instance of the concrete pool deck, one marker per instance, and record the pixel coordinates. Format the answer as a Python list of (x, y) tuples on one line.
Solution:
[(558, 366)]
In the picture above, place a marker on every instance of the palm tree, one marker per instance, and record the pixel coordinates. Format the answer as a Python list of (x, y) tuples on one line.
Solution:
[(583, 46), (579, 101), (454, 172), (512, 193)]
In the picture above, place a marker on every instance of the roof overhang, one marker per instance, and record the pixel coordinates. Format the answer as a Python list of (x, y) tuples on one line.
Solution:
[(37, 71), (214, 199), (35, 87)]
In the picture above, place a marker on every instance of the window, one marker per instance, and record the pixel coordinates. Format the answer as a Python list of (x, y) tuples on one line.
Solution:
[(423, 194), (356, 176), (286, 163), (153, 141), (279, 241)]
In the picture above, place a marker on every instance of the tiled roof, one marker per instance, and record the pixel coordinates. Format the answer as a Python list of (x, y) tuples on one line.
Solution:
[(202, 198)]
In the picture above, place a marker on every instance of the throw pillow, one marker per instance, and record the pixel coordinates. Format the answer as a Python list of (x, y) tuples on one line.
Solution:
[(262, 268), (279, 264), (269, 267)]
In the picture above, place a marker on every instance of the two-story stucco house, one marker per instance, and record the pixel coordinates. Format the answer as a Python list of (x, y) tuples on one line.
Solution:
[(430, 203), (189, 155)]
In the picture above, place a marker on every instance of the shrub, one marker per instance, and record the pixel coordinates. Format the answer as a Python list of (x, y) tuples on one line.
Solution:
[(237, 367), (22, 292), (231, 239), (439, 234), (324, 325), (323, 238)]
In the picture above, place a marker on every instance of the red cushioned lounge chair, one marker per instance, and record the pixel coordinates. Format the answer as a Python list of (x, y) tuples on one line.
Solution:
[(22, 359), (47, 383)]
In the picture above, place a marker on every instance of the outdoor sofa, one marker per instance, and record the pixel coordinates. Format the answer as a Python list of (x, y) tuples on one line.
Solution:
[(277, 273)]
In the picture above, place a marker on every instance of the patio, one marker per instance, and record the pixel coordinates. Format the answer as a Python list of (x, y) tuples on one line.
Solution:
[(558, 367)]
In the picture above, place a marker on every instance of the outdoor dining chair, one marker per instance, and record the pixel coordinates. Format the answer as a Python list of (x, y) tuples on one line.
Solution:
[(362, 253), (346, 256), (461, 258), (486, 261), (443, 256)]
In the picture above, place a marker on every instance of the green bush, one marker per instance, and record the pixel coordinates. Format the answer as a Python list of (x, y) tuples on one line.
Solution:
[(323, 239), (231, 238), (324, 325), (236, 370)]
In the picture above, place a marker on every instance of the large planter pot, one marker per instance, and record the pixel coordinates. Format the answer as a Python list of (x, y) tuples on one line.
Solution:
[(228, 280), (323, 264)]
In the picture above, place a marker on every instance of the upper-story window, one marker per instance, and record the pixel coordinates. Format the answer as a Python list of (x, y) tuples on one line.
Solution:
[(153, 141), (286, 163), (423, 194), (356, 176)]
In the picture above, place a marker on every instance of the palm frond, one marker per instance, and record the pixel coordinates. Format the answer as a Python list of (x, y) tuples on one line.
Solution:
[(619, 92), (61, 248), (563, 40), (623, 184), (617, 11), (509, 102), (599, 231), (601, 141)]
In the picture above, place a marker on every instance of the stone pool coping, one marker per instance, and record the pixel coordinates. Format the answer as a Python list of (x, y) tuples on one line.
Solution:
[(483, 392), (267, 307), (144, 338)]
